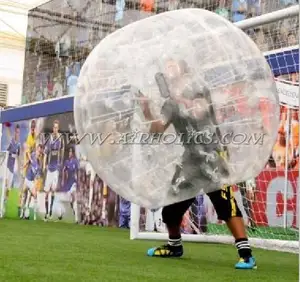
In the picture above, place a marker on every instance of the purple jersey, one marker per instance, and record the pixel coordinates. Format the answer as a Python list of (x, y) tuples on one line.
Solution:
[(124, 206), (71, 167), (13, 152), (53, 150), (34, 168)]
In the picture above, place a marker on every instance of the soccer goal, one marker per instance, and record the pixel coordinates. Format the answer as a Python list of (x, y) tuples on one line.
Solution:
[(3, 170), (270, 202)]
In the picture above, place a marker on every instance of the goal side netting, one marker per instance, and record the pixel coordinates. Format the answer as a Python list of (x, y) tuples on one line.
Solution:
[(268, 202)]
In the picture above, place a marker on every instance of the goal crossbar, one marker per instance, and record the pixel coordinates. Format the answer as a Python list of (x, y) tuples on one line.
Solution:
[(269, 18)]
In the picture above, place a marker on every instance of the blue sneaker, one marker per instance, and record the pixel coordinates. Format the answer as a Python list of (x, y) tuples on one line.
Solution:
[(246, 263), (165, 251)]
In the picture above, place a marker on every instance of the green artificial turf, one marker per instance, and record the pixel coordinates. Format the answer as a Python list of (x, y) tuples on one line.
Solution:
[(60, 252)]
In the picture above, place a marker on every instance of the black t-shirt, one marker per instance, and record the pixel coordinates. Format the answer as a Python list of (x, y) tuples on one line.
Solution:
[(195, 133)]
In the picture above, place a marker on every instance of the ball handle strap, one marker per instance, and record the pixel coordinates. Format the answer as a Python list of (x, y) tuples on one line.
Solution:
[(162, 85)]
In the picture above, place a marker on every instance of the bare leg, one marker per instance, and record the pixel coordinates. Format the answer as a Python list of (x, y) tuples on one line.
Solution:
[(52, 194), (23, 201), (46, 205), (74, 205), (237, 227)]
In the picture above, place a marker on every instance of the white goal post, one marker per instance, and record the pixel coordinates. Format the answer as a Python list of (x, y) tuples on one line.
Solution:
[(147, 225)]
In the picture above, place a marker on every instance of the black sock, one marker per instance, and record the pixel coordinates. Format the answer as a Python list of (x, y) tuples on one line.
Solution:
[(175, 241), (46, 205), (243, 248), (51, 204)]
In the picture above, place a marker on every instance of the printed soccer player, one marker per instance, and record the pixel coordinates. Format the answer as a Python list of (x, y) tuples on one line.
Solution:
[(154, 220), (295, 133), (104, 204), (187, 108), (72, 81), (30, 147), (69, 178), (34, 171), (112, 207), (13, 149), (185, 225), (124, 214), (53, 161), (279, 151), (91, 176)]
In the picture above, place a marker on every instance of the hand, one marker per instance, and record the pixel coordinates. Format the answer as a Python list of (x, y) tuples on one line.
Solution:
[(144, 103)]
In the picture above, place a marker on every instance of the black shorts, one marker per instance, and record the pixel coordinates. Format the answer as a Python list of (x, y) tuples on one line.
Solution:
[(223, 201)]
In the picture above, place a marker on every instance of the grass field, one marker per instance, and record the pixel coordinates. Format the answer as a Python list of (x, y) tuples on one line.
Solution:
[(61, 252)]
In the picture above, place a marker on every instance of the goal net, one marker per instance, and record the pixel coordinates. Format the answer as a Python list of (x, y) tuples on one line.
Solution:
[(268, 202)]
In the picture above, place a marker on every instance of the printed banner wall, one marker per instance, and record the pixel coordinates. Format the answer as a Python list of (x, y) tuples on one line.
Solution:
[(288, 93), (67, 185), (90, 201)]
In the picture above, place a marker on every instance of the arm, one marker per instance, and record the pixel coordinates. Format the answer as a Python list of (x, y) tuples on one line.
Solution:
[(62, 151), (45, 161), (19, 158), (26, 164), (27, 152), (64, 175), (76, 175), (157, 126), (77, 171), (47, 151)]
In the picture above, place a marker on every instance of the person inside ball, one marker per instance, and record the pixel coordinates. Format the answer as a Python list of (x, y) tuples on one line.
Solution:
[(188, 109)]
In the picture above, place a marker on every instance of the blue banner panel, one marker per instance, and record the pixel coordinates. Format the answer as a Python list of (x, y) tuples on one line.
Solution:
[(41, 109), (284, 62)]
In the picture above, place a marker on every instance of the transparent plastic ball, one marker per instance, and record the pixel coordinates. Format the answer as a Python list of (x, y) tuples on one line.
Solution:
[(175, 105)]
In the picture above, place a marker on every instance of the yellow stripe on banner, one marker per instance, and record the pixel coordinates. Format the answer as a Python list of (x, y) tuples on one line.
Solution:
[(232, 201)]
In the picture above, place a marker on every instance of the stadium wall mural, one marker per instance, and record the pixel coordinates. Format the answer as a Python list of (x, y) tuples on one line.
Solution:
[(74, 194), (91, 202)]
